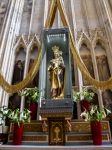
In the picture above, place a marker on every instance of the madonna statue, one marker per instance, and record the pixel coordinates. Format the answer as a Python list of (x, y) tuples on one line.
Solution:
[(56, 70)]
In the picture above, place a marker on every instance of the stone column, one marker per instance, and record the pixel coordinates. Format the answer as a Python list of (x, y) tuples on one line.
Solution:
[(6, 31), (5, 20), (96, 75), (107, 23), (11, 35), (4, 40), (25, 73), (108, 13), (77, 72), (31, 19), (42, 72)]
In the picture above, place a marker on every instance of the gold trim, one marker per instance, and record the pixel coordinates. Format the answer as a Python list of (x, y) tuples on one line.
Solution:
[(98, 84)]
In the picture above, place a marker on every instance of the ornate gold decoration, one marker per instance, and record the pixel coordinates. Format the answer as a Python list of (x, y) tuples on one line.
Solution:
[(56, 50), (56, 71), (68, 124), (53, 7), (57, 131)]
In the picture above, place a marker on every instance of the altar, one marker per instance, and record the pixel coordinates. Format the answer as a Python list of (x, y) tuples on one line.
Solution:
[(57, 106), (56, 125)]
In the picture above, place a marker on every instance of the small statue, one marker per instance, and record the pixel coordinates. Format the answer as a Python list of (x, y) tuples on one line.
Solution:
[(56, 70)]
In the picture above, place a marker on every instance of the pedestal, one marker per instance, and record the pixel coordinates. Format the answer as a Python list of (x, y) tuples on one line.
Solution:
[(57, 114)]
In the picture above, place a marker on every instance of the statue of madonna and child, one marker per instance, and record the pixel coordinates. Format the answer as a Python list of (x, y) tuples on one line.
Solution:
[(56, 69)]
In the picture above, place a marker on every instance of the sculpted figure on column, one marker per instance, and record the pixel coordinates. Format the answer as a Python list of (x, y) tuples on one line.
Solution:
[(56, 70)]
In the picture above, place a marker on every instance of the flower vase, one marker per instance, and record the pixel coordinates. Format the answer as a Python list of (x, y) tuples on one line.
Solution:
[(17, 134), (85, 105), (33, 108), (96, 131)]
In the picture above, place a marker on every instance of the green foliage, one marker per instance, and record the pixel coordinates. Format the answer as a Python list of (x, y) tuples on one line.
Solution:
[(95, 114), (4, 112), (85, 94), (18, 116), (76, 96), (32, 94)]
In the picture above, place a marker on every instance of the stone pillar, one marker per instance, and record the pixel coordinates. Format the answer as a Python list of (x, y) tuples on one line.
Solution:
[(5, 13), (37, 17), (108, 24), (25, 73), (31, 19), (77, 72), (13, 31), (74, 18), (108, 12), (3, 42), (106, 21), (96, 76), (6, 31), (42, 72)]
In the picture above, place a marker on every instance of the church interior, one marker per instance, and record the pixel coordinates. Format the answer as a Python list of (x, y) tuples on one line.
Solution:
[(59, 48)]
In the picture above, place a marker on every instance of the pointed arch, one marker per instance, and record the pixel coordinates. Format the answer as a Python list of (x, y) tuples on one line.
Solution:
[(20, 57), (20, 43), (85, 54), (84, 39), (102, 60), (99, 38), (33, 52), (18, 70), (34, 42)]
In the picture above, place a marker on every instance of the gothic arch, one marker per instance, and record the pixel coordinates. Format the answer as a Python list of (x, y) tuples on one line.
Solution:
[(18, 71), (102, 61), (84, 39), (84, 45), (34, 42), (33, 51), (101, 39), (20, 54), (20, 43), (85, 54), (100, 43), (19, 61), (19, 65)]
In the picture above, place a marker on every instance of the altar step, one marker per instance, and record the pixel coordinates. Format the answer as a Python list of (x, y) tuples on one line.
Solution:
[(31, 147), (80, 134)]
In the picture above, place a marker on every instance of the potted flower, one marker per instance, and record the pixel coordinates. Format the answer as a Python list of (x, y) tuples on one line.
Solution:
[(76, 96), (95, 115), (19, 118), (85, 97), (4, 111), (33, 96)]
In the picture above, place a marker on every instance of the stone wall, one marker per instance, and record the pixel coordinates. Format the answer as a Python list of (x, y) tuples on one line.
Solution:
[(21, 20)]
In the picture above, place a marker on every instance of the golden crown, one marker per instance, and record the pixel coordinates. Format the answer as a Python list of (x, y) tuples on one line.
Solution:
[(56, 50)]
